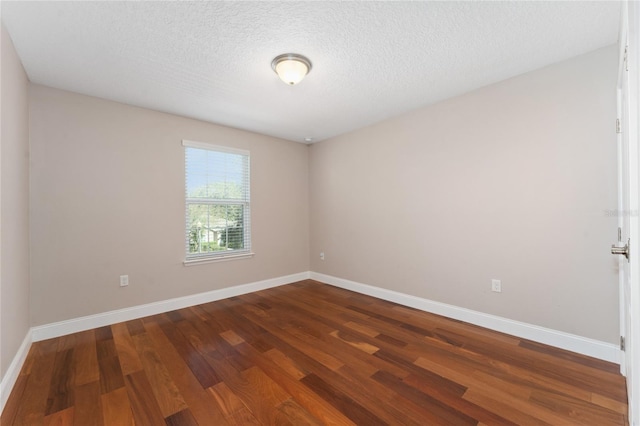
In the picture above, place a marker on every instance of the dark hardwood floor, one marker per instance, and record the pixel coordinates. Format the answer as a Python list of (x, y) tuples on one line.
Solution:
[(308, 353)]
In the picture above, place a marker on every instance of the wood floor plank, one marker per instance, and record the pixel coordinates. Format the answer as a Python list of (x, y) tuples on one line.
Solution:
[(250, 332), (208, 335), (197, 399), (286, 363), (362, 328), (88, 405), (85, 360), (269, 390), (143, 404), (576, 410), (375, 396), (235, 411), (116, 409), (501, 374), (557, 370), (246, 386), (308, 354), (290, 413), (421, 321), (15, 399), (556, 353), (318, 306), (268, 395), (318, 332), (204, 335), (515, 409), (525, 384), (125, 348), (455, 401), (32, 354), (181, 418), (60, 418), (512, 409), (166, 392), (318, 354), (463, 376), (196, 363), (105, 345), (342, 401), (135, 326), (318, 407), (352, 340), (360, 390), (449, 414), (231, 337), (34, 402), (302, 331), (605, 402), (68, 342), (111, 377), (61, 395), (223, 349)]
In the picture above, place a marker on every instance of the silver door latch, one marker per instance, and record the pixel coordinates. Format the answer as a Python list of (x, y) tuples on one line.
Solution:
[(622, 250)]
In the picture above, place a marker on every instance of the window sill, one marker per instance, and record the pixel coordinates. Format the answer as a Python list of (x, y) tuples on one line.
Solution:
[(199, 261)]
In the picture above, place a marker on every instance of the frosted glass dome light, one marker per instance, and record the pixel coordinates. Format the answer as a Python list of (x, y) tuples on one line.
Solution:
[(291, 67)]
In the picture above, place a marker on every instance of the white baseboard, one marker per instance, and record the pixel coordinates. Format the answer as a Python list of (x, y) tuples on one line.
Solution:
[(75, 325), (571, 342), (10, 377)]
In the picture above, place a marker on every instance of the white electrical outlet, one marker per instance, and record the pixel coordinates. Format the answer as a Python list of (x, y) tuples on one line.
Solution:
[(321, 255), (124, 280), (496, 285)]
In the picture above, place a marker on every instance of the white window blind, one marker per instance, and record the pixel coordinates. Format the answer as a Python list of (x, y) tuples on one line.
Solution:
[(217, 196)]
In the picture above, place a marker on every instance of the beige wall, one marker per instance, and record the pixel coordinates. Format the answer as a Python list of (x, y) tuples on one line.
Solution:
[(14, 211), (107, 196), (510, 182)]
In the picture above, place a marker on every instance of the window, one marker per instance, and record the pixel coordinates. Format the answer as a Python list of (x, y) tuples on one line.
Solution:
[(217, 202)]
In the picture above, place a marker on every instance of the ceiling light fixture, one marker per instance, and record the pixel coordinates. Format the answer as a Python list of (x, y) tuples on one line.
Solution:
[(291, 67)]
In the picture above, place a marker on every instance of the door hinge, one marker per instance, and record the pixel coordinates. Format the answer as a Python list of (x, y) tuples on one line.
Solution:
[(618, 126), (626, 58), (622, 345)]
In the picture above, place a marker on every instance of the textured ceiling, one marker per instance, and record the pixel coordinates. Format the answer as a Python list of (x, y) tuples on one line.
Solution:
[(371, 60)]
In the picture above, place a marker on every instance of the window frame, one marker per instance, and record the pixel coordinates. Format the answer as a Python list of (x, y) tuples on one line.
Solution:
[(222, 255)]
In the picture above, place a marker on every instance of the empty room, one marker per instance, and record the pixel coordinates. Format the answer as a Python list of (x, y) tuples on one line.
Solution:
[(319, 213)]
